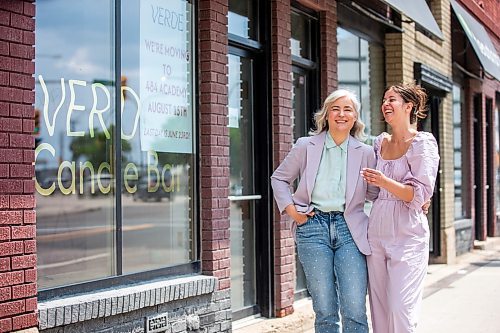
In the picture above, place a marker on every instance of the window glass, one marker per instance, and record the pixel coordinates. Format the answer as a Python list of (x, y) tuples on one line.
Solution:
[(87, 227), (75, 173), (361, 71), (300, 43), (242, 18), (457, 152), (158, 136)]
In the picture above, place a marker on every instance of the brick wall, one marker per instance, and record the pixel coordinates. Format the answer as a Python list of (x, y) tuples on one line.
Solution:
[(214, 140), (284, 247), (18, 291), (328, 49)]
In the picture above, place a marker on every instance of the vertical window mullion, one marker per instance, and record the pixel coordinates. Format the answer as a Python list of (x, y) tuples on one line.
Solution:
[(117, 141)]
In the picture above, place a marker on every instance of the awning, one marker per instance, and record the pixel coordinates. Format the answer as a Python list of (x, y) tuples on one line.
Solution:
[(419, 12), (481, 42)]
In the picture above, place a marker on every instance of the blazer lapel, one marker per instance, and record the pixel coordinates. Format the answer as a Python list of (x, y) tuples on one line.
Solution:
[(313, 158), (354, 158)]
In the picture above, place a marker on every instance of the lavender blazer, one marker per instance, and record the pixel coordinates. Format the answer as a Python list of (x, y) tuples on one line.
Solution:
[(303, 162)]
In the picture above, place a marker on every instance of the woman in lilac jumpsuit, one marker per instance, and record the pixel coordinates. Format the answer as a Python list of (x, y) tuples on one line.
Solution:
[(398, 231)]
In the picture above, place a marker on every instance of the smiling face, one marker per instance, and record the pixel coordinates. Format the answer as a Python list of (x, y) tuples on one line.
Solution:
[(341, 115), (394, 108)]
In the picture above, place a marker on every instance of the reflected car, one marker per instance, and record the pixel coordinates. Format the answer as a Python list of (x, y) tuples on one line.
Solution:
[(146, 188), (106, 181)]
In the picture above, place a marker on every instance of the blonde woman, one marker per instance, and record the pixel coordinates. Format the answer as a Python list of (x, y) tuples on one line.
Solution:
[(329, 223)]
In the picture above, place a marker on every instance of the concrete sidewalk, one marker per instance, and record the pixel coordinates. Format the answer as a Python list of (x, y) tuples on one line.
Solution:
[(459, 297)]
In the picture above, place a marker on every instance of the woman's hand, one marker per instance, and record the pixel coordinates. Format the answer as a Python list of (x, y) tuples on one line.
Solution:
[(374, 177), (300, 218)]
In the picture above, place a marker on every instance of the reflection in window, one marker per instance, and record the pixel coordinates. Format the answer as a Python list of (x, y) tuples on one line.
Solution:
[(457, 152), (300, 42), (77, 174), (74, 96), (242, 18), (158, 169), (360, 69)]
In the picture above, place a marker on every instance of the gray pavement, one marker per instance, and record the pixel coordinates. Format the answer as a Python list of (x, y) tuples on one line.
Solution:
[(462, 297)]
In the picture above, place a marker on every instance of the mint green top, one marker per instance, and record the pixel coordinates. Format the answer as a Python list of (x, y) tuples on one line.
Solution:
[(329, 187)]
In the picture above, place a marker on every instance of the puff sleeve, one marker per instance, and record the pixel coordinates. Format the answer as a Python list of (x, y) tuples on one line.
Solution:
[(423, 162)]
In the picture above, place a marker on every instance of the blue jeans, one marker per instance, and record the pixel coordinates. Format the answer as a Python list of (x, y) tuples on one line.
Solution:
[(335, 271)]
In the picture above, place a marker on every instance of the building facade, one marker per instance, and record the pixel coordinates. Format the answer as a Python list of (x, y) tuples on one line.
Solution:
[(137, 139)]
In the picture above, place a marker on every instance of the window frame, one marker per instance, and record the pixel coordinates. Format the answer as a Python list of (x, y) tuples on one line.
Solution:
[(194, 266)]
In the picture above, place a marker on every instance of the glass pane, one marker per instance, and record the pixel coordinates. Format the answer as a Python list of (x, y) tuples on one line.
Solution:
[(300, 112), (457, 147), (361, 70), (75, 175), (301, 36), (242, 215), (158, 146), (242, 18)]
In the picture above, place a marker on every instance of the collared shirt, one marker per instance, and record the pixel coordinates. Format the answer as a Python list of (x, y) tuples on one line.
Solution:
[(329, 188)]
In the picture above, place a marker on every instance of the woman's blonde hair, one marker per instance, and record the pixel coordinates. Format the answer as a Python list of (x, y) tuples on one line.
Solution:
[(321, 117)]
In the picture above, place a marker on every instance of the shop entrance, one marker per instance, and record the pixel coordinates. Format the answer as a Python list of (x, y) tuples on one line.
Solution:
[(249, 209)]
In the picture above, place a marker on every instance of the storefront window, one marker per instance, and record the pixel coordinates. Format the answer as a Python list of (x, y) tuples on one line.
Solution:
[(100, 214), (360, 70)]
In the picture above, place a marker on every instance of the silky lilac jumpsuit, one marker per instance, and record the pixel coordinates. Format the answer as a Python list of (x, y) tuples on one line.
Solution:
[(398, 233)]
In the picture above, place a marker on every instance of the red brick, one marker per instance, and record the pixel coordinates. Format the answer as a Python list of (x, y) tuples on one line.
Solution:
[(4, 171), (22, 201), (11, 248), (23, 232), (4, 235), (4, 107), (11, 34), (5, 17), (4, 48), (13, 6), (30, 246), (29, 186), (4, 201), (11, 155), (31, 304), (6, 325), (5, 294), (29, 156), (30, 275), (25, 321), (4, 140), (24, 290), (29, 216), (11, 278), (11, 124), (28, 125), (11, 94), (4, 264), (22, 111), (21, 262), (11, 186), (4, 78), (29, 9), (22, 171), (11, 217), (28, 38), (29, 96), (22, 80), (12, 308), (22, 22)]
